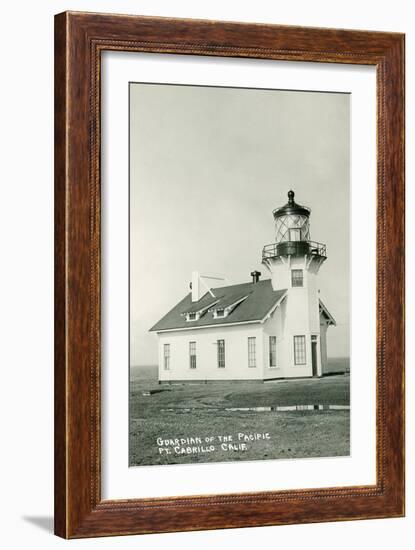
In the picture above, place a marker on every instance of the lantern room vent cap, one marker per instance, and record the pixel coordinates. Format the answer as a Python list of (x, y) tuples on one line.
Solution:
[(291, 208)]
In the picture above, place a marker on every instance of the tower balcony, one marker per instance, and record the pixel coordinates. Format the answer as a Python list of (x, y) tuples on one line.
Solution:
[(294, 248)]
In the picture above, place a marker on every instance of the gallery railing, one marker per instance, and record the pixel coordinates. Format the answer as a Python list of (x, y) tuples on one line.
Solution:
[(294, 248)]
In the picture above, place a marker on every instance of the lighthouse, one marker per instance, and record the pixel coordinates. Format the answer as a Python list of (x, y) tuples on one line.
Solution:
[(254, 330), (294, 261)]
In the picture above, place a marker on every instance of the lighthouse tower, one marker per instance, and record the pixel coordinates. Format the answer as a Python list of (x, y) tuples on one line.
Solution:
[(294, 262)]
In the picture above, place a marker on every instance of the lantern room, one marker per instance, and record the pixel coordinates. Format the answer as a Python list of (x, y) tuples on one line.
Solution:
[(292, 232), (292, 221)]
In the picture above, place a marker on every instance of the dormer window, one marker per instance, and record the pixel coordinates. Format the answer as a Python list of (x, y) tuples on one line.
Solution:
[(195, 315), (226, 306), (221, 312)]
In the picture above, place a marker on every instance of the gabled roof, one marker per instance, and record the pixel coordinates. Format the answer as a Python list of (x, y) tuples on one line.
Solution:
[(260, 299), (324, 311), (204, 303), (230, 299)]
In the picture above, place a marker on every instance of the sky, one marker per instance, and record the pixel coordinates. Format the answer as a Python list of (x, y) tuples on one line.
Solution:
[(208, 166)]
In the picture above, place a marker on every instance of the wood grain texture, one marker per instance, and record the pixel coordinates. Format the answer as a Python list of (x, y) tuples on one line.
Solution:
[(79, 40)]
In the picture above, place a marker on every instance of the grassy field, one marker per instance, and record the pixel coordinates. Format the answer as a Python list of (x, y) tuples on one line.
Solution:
[(198, 411)]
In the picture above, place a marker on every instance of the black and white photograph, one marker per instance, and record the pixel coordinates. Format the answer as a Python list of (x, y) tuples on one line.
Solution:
[(239, 274), (205, 254)]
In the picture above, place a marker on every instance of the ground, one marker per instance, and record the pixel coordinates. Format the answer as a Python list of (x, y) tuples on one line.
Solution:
[(177, 412)]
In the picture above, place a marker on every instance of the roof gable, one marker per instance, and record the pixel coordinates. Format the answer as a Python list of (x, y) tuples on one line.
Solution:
[(231, 298), (203, 304), (260, 298), (326, 313)]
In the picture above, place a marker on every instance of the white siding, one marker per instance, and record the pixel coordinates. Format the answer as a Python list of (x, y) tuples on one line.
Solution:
[(236, 353), (301, 313), (274, 326), (323, 345), (297, 315)]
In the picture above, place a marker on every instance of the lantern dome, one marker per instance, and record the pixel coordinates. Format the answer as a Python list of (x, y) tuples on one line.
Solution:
[(291, 208), (292, 232), (292, 222)]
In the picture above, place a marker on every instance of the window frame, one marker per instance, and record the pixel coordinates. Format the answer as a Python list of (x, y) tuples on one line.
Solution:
[(252, 363), (166, 356), (272, 352), (302, 353), (295, 231), (295, 278), (192, 356), (221, 354)]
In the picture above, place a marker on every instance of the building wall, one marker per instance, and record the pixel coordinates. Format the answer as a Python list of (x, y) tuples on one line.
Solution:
[(275, 326), (323, 340), (297, 315), (302, 316), (314, 309), (311, 281), (236, 353)]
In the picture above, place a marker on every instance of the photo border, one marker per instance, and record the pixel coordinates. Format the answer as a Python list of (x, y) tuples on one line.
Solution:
[(79, 40), (117, 479)]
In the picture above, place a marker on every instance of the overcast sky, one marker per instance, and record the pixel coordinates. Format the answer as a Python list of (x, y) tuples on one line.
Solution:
[(208, 166)]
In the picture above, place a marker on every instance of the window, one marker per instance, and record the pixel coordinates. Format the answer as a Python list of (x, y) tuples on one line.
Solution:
[(220, 312), (272, 351), (296, 277), (221, 354), (192, 354), (252, 351), (196, 315), (295, 234), (299, 350), (166, 356)]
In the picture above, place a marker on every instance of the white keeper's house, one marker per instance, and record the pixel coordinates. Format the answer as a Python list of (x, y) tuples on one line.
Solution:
[(260, 330)]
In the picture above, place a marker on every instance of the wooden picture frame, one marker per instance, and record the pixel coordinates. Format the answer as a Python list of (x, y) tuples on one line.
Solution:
[(79, 40)]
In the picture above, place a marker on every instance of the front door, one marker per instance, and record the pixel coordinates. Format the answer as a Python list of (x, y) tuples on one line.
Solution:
[(314, 358)]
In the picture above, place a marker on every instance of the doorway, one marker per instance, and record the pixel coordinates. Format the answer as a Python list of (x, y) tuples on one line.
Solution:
[(314, 355)]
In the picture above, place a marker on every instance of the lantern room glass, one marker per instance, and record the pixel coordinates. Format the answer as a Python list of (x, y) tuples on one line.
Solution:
[(292, 227)]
